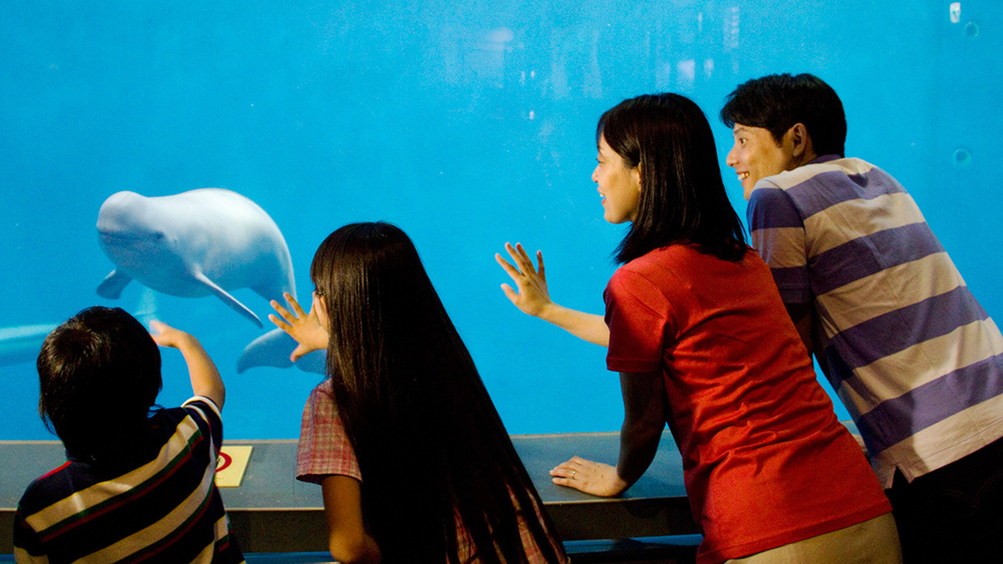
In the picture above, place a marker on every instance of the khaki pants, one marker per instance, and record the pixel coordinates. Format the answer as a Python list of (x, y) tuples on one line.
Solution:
[(872, 542)]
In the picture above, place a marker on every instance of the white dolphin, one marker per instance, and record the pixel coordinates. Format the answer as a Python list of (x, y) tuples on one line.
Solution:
[(197, 243), (202, 242)]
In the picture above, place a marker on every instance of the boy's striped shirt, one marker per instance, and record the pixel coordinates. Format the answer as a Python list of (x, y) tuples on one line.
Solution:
[(165, 508)]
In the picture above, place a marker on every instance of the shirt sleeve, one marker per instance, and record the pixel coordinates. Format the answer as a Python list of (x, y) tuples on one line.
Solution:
[(27, 545), (205, 412), (640, 323), (778, 235), (324, 449)]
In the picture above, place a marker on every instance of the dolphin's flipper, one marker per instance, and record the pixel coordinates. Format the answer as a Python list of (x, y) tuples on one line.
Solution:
[(228, 299), (315, 362), (273, 349), (113, 284)]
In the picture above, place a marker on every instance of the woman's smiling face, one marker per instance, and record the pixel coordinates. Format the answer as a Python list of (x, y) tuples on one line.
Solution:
[(619, 185)]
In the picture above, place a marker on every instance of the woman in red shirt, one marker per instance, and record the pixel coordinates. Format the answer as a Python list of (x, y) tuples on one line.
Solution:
[(697, 330)]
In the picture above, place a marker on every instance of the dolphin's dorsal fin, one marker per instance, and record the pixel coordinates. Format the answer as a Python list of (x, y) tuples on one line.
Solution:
[(113, 284), (227, 298)]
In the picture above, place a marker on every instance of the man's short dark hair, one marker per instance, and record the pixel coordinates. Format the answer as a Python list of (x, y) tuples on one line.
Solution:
[(99, 374), (779, 101)]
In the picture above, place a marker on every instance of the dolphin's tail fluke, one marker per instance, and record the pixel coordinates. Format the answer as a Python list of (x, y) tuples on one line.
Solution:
[(273, 349), (21, 344)]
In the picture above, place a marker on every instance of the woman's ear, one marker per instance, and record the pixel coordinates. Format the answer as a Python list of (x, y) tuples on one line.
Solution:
[(635, 173)]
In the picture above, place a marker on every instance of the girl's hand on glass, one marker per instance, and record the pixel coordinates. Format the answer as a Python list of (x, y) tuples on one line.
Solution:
[(304, 327)]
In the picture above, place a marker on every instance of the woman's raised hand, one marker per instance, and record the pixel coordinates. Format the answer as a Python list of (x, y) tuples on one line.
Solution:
[(300, 325), (532, 296)]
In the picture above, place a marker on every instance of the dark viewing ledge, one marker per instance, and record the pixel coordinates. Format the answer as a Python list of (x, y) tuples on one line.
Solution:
[(273, 512)]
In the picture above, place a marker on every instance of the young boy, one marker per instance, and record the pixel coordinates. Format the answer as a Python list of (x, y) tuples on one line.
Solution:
[(137, 486), (908, 348)]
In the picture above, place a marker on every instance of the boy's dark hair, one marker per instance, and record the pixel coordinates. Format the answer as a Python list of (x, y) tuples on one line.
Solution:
[(683, 199), (779, 101), (99, 374)]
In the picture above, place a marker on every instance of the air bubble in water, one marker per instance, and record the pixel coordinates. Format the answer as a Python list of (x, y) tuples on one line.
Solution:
[(962, 156)]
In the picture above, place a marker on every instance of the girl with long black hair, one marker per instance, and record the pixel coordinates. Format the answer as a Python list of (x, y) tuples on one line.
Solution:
[(697, 330), (414, 462)]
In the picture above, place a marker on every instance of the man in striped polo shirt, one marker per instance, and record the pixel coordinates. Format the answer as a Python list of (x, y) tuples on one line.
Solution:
[(137, 487), (905, 344)]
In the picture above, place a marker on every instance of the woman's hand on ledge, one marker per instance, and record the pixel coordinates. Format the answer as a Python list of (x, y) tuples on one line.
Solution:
[(590, 477)]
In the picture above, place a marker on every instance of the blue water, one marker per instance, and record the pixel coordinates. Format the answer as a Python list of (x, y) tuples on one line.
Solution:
[(467, 123)]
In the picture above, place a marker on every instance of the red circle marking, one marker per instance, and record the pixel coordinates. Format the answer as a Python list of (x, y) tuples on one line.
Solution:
[(223, 462)]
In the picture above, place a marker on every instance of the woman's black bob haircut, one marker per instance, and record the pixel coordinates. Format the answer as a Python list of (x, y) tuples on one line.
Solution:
[(99, 375), (779, 101), (683, 199), (430, 444)]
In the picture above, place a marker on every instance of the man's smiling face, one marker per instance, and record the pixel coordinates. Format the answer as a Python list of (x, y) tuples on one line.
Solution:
[(757, 155)]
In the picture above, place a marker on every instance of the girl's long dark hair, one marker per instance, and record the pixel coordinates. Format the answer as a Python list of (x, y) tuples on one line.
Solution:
[(683, 199), (430, 444)]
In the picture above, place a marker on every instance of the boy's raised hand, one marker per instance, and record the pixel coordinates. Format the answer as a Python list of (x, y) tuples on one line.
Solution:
[(167, 336), (204, 375)]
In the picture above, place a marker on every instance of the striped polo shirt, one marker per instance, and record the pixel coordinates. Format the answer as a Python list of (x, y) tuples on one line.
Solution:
[(912, 354), (163, 508)]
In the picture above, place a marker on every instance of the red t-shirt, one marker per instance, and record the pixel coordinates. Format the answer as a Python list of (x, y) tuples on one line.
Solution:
[(765, 461)]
